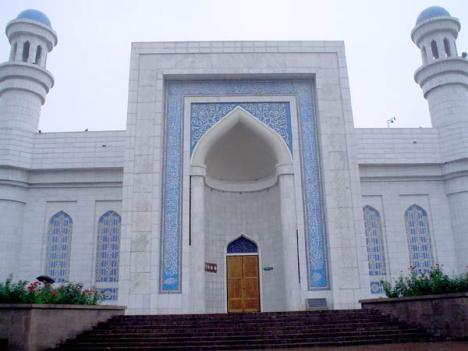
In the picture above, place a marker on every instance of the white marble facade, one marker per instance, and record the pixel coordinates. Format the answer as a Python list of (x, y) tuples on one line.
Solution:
[(229, 140)]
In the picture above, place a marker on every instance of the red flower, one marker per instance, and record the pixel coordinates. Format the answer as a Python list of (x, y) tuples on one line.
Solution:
[(32, 287)]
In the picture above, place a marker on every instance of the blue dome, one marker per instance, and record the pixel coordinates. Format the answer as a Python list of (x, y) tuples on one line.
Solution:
[(35, 15), (430, 12)]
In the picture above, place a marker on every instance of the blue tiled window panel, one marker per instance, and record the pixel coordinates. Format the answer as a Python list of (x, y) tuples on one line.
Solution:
[(303, 91), (108, 294), (419, 239), (108, 241), (375, 249), (242, 245), (59, 246)]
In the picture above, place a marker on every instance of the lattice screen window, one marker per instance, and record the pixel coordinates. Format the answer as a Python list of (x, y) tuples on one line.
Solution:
[(107, 261), (375, 249), (59, 245), (419, 241)]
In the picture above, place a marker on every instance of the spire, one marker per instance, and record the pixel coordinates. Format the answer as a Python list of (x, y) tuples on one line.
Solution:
[(31, 38), (435, 34), (443, 78)]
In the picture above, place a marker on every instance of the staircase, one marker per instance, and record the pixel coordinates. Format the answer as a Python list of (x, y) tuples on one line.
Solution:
[(245, 331)]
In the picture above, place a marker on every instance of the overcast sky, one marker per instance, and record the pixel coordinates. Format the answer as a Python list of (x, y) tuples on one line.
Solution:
[(91, 61)]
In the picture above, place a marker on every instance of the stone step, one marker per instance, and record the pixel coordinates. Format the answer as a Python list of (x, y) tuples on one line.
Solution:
[(261, 315), (251, 346), (252, 316), (247, 339), (118, 323), (175, 333), (241, 329), (247, 325), (274, 335), (258, 330), (245, 331), (272, 321)]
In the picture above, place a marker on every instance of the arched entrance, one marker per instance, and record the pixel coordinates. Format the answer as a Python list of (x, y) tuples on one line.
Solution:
[(242, 181), (242, 276)]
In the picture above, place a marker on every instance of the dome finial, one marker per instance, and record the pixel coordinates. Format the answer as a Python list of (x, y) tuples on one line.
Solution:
[(432, 12), (35, 15)]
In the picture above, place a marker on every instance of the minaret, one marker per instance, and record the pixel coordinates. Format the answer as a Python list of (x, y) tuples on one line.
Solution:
[(443, 78), (24, 84)]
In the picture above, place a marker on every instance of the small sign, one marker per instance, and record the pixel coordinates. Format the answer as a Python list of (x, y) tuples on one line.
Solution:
[(211, 267), (267, 268)]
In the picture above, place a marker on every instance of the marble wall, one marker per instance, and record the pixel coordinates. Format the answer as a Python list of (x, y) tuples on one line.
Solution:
[(256, 215)]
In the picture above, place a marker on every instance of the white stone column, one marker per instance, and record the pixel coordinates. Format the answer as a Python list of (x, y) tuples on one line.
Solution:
[(197, 248), (288, 230)]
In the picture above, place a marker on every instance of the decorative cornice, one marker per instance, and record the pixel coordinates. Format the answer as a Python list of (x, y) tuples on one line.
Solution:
[(28, 27), (61, 185), (26, 77), (423, 171), (441, 72), (433, 25)]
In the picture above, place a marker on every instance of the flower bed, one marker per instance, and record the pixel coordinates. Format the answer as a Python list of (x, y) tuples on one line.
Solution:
[(443, 315), (37, 327), (433, 300), (433, 282), (40, 293), (39, 315)]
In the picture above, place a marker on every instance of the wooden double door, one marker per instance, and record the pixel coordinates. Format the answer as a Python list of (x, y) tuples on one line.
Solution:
[(243, 284)]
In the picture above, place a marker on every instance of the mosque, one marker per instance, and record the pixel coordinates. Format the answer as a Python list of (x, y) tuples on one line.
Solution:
[(240, 182)]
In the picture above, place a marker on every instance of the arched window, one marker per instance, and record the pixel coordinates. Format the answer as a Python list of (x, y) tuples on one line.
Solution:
[(424, 55), (447, 48), (242, 245), (38, 55), (26, 47), (107, 260), (13, 51), (435, 51), (375, 249), (419, 242), (58, 249)]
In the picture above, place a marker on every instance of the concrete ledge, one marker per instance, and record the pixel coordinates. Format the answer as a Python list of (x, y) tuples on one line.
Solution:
[(414, 298), (33, 327), (27, 306), (444, 315)]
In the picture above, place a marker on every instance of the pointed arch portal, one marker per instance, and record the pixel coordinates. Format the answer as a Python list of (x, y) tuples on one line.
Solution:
[(264, 124), (242, 276), (270, 142), (240, 148), (242, 245)]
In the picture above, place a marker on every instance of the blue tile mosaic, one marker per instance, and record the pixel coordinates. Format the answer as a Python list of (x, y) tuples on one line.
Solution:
[(419, 242), (108, 294), (275, 115), (242, 245), (171, 260), (108, 244), (59, 246), (375, 249), (376, 288)]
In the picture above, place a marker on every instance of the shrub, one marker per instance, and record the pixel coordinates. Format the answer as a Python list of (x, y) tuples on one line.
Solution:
[(431, 283), (37, 292)]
